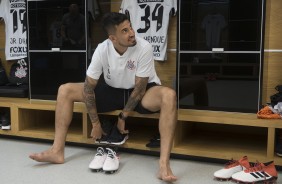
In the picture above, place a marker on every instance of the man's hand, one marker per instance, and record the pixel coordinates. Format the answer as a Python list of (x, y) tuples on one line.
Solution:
[(97, 131), (121, 126)]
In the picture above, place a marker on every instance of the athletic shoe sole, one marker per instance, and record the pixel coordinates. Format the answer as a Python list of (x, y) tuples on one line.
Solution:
[(119, 143), (97, 170), (268, 181), (112, 143), (279, 154), (110, 172), (101, 142), (222, 179), (6, 127)]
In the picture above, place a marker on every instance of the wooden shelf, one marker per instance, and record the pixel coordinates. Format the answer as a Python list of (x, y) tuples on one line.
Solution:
[(223, 146), (277, 160), (6, 132), (231, 118), (211, 134)]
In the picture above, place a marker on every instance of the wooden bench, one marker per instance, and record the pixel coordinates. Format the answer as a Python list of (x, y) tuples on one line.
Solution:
[(211, 134)]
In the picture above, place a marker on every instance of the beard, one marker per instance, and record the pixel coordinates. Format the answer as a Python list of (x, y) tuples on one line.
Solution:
[(132, 44)]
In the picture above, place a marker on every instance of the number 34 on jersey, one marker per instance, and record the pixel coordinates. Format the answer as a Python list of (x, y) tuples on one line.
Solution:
[(150, 20)]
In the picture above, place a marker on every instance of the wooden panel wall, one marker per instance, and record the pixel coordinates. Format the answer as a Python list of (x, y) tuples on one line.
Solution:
[(167, 70), (272, 69), (2, 35)]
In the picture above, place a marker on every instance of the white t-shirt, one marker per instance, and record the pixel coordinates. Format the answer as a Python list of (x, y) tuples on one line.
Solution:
[(120, 70), (14, 15), (150, 20)]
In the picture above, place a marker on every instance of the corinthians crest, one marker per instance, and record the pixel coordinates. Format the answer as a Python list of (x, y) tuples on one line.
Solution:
[(130, 65), (21, 72)]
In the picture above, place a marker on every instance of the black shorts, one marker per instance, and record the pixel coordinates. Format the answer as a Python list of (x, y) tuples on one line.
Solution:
[(110, 99)]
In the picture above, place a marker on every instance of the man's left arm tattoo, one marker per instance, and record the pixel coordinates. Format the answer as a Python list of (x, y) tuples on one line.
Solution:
[(137, 94), (90, 101)]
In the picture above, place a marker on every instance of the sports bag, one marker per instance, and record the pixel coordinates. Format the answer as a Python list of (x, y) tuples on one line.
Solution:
[(19, 72)]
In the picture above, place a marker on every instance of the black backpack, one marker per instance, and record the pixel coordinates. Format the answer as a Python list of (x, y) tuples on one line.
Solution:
[(277, 97)]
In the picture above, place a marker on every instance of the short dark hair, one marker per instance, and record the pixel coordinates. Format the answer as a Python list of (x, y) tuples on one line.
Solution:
[(112, 19)]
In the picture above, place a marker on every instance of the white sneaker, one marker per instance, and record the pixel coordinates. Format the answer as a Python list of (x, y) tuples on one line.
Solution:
[(111, 163), (98, 161), (232, 167)]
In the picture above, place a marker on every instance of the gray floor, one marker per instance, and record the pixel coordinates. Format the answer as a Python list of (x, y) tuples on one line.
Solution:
[(17, 168)]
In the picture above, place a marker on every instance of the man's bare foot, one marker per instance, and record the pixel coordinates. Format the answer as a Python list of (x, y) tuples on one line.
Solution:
[(166, 174), (48, 156)]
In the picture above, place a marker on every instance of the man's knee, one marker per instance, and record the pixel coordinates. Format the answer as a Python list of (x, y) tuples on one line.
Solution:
[(169, 95), (65, 90)]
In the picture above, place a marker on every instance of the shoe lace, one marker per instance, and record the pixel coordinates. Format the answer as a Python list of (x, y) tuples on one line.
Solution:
[(100, 152), (231, 163), (111, 153), (256, 167)]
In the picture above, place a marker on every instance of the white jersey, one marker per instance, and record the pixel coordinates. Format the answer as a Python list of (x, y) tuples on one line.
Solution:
[(150, 20), (14, 15), (120, 70)]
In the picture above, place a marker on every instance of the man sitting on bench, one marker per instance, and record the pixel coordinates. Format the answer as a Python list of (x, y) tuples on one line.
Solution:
[(131, 84)]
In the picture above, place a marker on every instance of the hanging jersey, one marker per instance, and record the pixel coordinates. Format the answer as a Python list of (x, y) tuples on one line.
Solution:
[(14, 15), (93, 8), (150, 20), (56, 37), (213, 24)]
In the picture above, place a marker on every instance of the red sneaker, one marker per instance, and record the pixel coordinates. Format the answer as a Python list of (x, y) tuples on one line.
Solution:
[(260, 172)]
